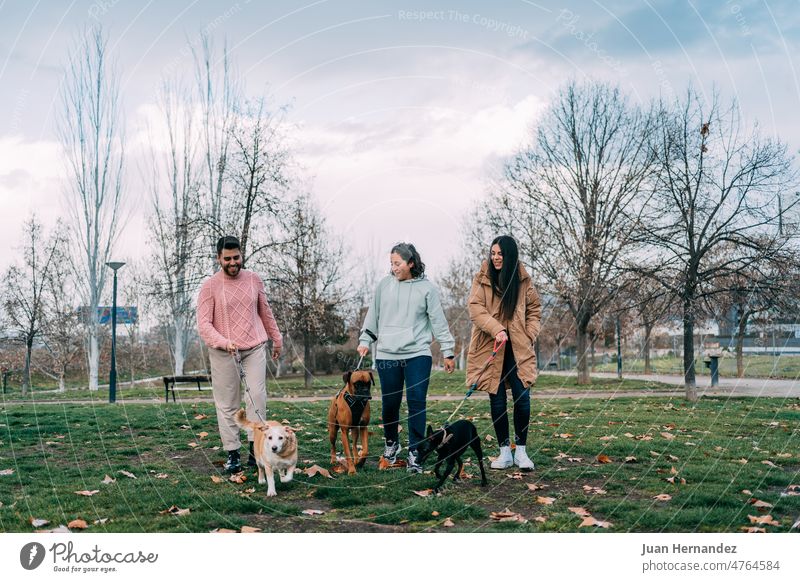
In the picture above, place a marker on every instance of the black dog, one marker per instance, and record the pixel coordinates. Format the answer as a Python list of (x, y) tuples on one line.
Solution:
[(451, 442)]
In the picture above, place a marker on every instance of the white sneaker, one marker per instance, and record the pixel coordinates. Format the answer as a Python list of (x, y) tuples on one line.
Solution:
[(521, 459), (504, 461)]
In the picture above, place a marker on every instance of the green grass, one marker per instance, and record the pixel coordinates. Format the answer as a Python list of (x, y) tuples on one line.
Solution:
[(56, 449), (754, 366), (325, 386)]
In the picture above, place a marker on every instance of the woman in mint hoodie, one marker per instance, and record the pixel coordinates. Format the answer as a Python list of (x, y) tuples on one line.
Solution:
[(404, 314)]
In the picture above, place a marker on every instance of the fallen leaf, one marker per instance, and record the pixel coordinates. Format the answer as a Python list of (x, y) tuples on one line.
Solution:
[(248, 529), (193, 445), (38, 522), (763, 520), (108, 480), (608, 438), (317, 470), (175, 510), (87, 493), (202, 435), (238, 478), (507, 515), (201, 417), (673, 471), (629, 435), (217, 479), (517, 476), (595, 490), (769, 464), (566, 435), (186, 427), (77, 524), (424, 492), (312, 512), (673, 458), (488, 438), (579, 511), (540, 519), (128, 474), (251, 490), (668, 435), (784, 455), (59, 529), (758, 503), (574, 459), (100, 521), (601, 458), (6, 472), (631, 460), (747, 492), (643, 437), (590, 521), (223, 530), (448, 523), (535, 487), (654, 454), (560, 456), (753, 529), (741, 461), (435, 513), (545, 500), (663, 497), (162, 476)]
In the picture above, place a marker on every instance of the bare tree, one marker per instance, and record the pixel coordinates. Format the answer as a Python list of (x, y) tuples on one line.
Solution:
[(575, 191), (176, 220), (651, 303), (61, 335), (307, 280), (455, 286), (25, 284), (259, 174), (90, 130), (718, 186)]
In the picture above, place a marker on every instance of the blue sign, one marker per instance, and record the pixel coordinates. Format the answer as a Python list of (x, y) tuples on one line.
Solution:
[(128, 314)]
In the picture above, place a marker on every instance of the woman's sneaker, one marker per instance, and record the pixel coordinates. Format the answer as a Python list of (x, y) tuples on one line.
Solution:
[(522, 460), (504, 461), (390, 452), (413, 466)]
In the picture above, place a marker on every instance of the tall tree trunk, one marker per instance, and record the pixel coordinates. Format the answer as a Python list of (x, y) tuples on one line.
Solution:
[(582, 364), (307, 359), (62, 379), (26, 373), (94, 358), (688, 351), (593, 341), (740, 331), (648, 330)]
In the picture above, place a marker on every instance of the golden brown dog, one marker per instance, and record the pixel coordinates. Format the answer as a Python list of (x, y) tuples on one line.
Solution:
[(274, 447), (349, 412)]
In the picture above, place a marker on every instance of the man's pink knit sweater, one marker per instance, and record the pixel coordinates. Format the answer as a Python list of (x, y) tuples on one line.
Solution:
[(235, 309)]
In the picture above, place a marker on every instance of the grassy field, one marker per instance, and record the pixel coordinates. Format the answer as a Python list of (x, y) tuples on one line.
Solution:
[(442, 384), (714, 460), (754, 366)]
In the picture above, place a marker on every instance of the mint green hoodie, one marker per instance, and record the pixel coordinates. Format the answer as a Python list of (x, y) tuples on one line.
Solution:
[(402, 317)]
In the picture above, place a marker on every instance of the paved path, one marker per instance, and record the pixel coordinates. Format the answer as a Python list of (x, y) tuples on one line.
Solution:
[(727, 386)]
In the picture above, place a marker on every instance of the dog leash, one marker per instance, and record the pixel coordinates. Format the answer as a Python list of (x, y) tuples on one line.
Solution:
[(474, 386), (237, 357)]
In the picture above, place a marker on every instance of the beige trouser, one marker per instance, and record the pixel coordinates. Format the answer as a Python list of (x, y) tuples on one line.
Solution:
[(228, 391)]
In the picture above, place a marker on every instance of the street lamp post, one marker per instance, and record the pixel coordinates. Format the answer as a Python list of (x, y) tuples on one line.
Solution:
[(112, 381)]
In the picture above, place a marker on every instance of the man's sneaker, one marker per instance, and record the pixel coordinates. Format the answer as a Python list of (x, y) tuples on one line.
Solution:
[(251, 459), (504, 461), (413, 466), (522, 460), (233, 464), (390, 452)]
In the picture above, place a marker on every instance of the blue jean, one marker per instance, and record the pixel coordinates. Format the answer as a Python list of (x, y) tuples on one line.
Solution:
[(416, 373), (522, 403)]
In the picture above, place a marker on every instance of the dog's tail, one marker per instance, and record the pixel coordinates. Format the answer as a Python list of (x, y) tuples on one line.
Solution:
[(241, 419)]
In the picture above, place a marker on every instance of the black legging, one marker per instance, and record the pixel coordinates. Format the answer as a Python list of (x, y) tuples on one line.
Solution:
[(522, 403)]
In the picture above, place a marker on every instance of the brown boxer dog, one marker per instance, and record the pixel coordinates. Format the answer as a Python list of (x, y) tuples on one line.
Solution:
[(349, 412)]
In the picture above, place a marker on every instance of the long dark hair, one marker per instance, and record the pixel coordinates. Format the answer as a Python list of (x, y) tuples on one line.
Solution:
[(505, 282), (409, 253)]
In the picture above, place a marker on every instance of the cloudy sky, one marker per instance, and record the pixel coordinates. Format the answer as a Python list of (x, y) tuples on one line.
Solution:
[(403, 109)]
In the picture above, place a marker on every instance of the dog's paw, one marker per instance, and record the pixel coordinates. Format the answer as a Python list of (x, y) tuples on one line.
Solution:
[(286, 478), (272, 493)]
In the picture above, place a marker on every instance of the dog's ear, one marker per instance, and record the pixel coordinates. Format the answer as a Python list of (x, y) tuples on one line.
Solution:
[(346, 376), (372, 378)]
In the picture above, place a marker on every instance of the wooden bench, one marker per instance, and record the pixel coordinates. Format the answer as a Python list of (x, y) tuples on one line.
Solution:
[(170, 381)]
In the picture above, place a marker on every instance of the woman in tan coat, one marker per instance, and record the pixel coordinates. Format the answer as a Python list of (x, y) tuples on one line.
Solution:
[(504, 307)]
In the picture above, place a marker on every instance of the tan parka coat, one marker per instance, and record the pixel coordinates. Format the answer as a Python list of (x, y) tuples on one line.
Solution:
[(522, 330)]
